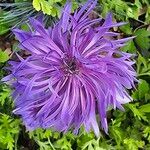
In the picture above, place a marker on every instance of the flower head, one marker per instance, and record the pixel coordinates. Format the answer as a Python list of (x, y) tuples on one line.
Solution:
[(74, 71)]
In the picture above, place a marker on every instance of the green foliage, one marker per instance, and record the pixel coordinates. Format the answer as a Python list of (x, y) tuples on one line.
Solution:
[(125, 10), (145, 108), (9, 130), (4, 95), (18, 15), (143, 66), (3, 56), (142, 41), (137, 113), (118, 6), (146, 133), (3, 27), (48, 7), (51, 7), (132, 144), (143, 91), (42, 138), (9, 126), (130, 47)]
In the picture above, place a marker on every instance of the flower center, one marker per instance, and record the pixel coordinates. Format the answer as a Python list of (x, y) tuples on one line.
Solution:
[(70, 66)]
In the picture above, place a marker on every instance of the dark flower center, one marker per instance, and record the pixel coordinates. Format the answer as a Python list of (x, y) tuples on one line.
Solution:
[(70, 65)]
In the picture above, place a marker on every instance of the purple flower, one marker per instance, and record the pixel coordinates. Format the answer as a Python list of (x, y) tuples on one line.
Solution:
[(75, 70)]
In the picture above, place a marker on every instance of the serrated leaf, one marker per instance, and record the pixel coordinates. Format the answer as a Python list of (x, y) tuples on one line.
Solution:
[(133, 144), (4, 95), (9, 129), (48, 7), (136, 111)]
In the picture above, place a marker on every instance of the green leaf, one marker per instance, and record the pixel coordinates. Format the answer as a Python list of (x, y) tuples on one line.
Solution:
[(48, 7), (143, 88), (3, 29), (133, 12), (37, 5), (116, 132), (3, 56), (133, 144), (143, 66), (44, 145), (9, 130), (90, 147), (145, 108), (84, 138), (129, 47), (63, 143), (136, 111), (142, 39), (126, 29), (147, 16), (4, 95), (146, 133)]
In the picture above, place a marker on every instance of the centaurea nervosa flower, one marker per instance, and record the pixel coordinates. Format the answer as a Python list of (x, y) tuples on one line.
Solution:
[(75, 70)]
